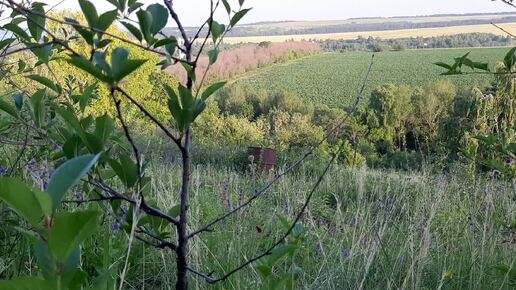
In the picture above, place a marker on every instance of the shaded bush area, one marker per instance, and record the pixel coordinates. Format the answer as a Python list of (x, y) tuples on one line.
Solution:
[(402, 127)]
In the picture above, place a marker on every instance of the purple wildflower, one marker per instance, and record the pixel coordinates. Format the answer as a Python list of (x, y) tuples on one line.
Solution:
[(3, 171), (347, 253)]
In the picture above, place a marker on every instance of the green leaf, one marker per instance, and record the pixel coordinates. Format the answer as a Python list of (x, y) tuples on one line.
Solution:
[(17, 30), (46, 82), (159, 17), (216, 30), (241, 2), (443, 65), (510, 59), (227, 6), (127, 68), (238, 16), (133, 5), (90, 12), (36, 22), (86, 96), (211, 90), (166, 41), (85, 65), (189, 70), (130, 170), (33, 205), (68, 175), (134, 30), (280, 252), (104, 127), (86, 34), (186, 97), (43, 53), (26, 283), (6, 107), (213, 55), (120, 66), (38, 107), (72, 121), (4, 43), (175, 211), (126, 170), (145, 20), (174, 106), (263, 267), (72, 147), (106, 19), (481, 65), (70, 230)]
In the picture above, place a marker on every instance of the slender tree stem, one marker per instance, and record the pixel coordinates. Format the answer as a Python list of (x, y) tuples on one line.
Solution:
[(182, 263)]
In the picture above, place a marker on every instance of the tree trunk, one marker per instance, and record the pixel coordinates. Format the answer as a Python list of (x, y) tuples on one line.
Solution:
[(182, 271)]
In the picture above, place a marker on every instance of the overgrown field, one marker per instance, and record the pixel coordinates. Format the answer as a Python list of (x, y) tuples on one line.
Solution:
[(364, 230), (334, 78)]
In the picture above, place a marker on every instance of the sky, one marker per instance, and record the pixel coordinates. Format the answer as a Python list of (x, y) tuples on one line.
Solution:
[(191, 11)]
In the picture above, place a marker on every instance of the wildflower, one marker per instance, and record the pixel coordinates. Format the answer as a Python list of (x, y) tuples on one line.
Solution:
[(3, 171), (347, 253)]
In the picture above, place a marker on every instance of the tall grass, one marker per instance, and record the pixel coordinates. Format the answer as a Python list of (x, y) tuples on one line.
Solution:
[(365, 230)]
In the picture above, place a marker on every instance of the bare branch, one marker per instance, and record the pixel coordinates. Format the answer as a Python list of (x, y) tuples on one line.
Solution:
[(143, 206), (21, 49), (508, 2), (502, 29), (173, 14), (291, 228), (131, 142), (150, 116)]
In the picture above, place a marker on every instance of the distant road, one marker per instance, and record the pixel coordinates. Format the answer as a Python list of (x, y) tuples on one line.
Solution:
[(386, 34)]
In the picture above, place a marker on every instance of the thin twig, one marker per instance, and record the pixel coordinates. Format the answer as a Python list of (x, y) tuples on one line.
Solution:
[(292, 226), (150, 116), (502, 29), (131, 142)]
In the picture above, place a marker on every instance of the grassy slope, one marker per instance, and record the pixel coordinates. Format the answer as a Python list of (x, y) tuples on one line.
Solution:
[(333, 78), (366, 228)]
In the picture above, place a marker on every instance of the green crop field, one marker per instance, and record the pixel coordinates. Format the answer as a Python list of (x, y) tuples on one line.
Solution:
[(334, 78)]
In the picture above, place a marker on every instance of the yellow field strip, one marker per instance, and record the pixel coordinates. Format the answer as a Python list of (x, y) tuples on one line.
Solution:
[(388, 34)]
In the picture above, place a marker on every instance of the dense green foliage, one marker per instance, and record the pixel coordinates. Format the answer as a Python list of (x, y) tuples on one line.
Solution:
[(333, 78)]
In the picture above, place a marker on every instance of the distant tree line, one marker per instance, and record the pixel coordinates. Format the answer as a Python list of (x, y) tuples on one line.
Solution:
[(445, 41)]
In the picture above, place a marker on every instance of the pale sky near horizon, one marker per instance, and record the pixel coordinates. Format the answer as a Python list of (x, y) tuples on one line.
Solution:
[(279, 10)]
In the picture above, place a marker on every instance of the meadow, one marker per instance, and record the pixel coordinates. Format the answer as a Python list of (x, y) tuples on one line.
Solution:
[(365, 229), (333, 78)]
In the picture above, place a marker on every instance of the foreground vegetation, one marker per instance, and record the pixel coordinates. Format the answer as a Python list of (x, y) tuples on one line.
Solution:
[(375, 229)]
